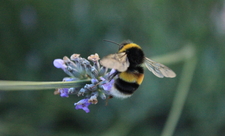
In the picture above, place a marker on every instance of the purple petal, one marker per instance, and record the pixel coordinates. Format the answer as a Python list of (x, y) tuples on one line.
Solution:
[(112, 71), (68, 79), (64, 92), (82, 107), (93, 81), (108, 85), (59, 63), (86, 109), (82, 104), (102, 78)]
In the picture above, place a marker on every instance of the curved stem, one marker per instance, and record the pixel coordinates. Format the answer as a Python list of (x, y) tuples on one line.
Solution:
[(180, 97)]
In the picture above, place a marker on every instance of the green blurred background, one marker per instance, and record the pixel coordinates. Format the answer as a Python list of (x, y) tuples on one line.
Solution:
[(35, 32)]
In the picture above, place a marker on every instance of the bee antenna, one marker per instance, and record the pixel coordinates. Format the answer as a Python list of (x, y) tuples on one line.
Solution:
[(111, 42)]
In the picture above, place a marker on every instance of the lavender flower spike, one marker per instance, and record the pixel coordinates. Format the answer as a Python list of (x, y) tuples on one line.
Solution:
[(79, 68)]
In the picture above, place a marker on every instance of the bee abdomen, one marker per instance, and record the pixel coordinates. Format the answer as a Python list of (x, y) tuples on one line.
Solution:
[(124, 87)]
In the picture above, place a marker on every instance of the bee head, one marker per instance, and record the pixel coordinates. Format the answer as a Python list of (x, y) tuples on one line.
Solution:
[(121, 45), (124, 43)]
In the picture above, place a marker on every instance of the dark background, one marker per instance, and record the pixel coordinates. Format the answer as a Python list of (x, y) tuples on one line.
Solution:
[(35, 32)]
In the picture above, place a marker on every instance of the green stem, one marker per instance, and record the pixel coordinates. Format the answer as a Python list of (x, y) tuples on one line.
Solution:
[(27, 85)]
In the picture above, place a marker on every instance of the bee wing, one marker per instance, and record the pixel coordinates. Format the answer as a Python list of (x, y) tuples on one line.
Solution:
[(158, 69), (118, 61)]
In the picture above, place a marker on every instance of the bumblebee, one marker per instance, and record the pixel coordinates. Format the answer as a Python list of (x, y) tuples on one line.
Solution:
[(129, 71)]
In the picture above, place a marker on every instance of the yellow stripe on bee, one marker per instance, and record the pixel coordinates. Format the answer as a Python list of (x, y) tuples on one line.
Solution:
[(128, 46), (132, 77)]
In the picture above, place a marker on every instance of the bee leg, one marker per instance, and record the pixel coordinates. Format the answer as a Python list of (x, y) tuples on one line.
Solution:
[(107, 100), (113, 75), (109, 78)]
